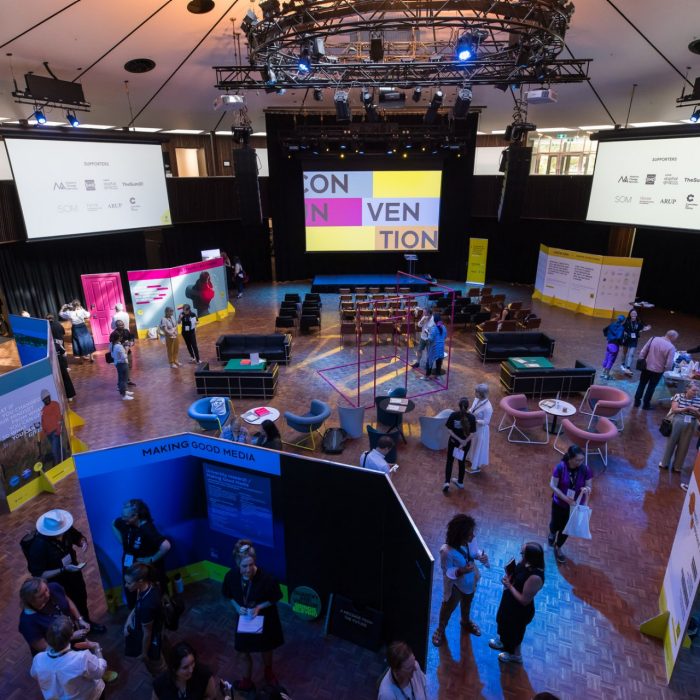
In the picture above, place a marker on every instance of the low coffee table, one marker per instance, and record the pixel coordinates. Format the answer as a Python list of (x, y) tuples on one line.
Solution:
[(399, 409), (530, 363), (236, 366), (254, 419), (557, 408)]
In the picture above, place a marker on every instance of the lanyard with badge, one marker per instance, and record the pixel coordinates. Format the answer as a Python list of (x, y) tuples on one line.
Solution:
[(573, 478)]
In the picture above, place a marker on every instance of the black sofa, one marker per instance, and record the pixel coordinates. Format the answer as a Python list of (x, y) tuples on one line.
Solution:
[(276, 347), (537, 381), (236, 384), (500, 346)]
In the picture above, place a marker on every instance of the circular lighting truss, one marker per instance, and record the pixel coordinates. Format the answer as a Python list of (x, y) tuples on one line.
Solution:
[(404, 43)]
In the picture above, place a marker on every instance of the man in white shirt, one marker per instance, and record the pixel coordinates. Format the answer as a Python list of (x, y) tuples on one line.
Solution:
[(120, 315), (67, 674), (376, 459), (425, 324)]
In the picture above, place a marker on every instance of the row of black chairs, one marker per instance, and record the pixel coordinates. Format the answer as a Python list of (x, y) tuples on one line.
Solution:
[(295, 313)]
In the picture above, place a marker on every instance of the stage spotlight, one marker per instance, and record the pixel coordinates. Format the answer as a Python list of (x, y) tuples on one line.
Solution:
[(318, 47), (366, 97), (343, 112), (376, 48), (433, 108), (695, 116), (269, 76), (72, 119), (416, 94), (40, 117), (462, 103), (465, 48), (318, 94), (304, 64)]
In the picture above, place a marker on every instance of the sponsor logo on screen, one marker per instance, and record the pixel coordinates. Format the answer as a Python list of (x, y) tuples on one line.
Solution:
[(690, 202), (667, 201), (670, 180), (651, 179), (623, 199), (131, 183), (90, 185), (114, 205), (629, 179), (94, 206), (646, 200), (135, 206), (68, 185), (67, 208), (109, 185)]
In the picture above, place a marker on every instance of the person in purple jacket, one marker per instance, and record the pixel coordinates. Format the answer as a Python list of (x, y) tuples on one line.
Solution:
[(569, 478)]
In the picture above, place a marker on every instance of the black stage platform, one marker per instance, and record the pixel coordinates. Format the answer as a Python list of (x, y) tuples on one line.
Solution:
[(333, 283)]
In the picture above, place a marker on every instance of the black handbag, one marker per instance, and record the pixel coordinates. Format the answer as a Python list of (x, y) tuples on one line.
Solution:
[(666, 426), (108, 358), (641, 364)]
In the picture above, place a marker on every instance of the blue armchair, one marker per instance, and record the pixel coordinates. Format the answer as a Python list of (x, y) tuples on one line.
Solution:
[(352, 420), (433, 431), (374, 436), (309, 424), (200, 411)]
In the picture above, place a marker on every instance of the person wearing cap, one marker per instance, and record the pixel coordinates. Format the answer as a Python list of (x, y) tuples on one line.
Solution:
[(52, 425), (52, 556)]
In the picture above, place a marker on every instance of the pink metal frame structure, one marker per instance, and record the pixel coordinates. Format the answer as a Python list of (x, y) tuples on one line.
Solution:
[(405, 316)]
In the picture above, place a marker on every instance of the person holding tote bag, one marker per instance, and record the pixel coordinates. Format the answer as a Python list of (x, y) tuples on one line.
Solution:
[(168, 330), (684, 414), (569, 479)]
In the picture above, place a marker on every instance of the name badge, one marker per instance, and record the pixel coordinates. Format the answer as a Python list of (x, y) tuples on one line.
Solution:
[(570, 493), (66, 561), (128, 560), (633, 335), (186, 328), (687, 419), (458, 425)]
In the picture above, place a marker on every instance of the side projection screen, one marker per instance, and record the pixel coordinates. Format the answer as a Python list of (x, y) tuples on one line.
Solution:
[(380, 210)]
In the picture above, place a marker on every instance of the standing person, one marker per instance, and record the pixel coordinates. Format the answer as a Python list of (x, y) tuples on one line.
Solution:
[(168, 329), (143, 628), (141, 542), (254, 594), (51, 556), (630, 338), (238, 275), (426, 324), (126, 337), (404, 677), (59, 334), (658, 354), (119, 315), (569, 478), (684, 412), (63, 672), (613, 334), (482, 410), (517, 606), (185, 678), (83, 344), (121, 365), (460, 425), (458, 557), (376, 459), (436, 350), (52, 425), (189, 323)]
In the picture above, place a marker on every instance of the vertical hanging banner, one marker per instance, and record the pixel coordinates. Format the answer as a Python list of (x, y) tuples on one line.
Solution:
[(476, 267), (680, 580)]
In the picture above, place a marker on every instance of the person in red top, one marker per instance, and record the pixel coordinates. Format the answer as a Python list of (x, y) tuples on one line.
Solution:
[(201, 293), (52, 425)]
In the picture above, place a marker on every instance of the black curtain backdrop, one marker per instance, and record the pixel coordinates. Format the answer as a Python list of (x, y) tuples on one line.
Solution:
[(287, 205)]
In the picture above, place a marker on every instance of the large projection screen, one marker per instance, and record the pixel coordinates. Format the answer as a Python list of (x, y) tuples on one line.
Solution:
[(650, 182), (379, 210), (68, 188)]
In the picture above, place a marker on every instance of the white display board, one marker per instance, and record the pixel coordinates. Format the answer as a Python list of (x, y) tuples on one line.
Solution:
[(75, 187), (652, 182), (597, 285)]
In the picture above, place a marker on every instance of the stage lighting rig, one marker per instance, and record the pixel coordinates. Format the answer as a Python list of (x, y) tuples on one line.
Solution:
[(416, 94), (343, 111), (462, 103), (695, 116), (433, 108), (72, 119), (318, 95)]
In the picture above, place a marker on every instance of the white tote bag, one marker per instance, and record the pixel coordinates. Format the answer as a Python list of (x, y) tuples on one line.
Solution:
[(579, 521)]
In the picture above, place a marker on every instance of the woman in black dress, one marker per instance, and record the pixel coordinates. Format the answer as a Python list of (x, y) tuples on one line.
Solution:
[(253, 594), (186, 678), (517, 606)]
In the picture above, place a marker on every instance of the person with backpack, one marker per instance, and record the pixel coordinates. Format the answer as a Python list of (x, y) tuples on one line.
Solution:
[(376, 459), (460, 425), (50, 553), (630, 338), (613, 334)]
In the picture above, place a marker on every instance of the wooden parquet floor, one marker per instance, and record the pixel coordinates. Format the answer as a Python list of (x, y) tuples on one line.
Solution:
[(584, 641)]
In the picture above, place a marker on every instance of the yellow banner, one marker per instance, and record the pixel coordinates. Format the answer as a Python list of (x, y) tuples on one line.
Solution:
[(476, 267)]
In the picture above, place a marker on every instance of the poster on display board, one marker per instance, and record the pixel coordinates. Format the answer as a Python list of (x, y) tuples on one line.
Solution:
[(597, 285), (476, 265), (681, 579), (202, 285)]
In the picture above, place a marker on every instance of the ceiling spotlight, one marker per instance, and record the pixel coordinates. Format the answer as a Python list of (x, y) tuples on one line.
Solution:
[(318, 47), (366, 97), (435, 104), (72, 119), (269, 75), (465, 48), (343, 112), (416, 94), (695, 116), (200, 7), (39, 116), (376, 48), (318, 94), (462, 103), (304, 64)]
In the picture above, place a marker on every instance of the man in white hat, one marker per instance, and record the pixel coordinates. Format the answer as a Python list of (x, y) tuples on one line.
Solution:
[(51, 555), (52, 425)]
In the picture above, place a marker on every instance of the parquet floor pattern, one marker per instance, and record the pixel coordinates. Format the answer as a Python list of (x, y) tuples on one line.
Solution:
[(584, 641)]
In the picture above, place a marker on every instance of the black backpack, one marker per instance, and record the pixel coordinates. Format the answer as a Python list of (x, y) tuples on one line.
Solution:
[(26, 543), (333, 442), (172, 607)]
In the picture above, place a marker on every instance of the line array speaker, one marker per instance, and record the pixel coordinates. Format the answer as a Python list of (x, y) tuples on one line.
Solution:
[(245, 168), (516, 168)]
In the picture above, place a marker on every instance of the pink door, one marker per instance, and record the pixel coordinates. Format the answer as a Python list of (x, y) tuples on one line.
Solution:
[(102, 292)]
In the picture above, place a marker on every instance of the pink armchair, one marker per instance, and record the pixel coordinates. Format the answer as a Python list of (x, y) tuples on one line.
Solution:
[(606, 401), (517, 417), (590, 441)]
